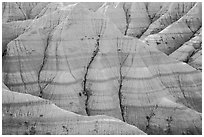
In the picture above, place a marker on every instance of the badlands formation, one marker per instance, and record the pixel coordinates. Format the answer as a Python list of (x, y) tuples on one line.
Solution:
[(102, 68)]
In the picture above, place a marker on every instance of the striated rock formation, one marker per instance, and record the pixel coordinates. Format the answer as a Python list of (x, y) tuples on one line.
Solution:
[(196, 60), (172, 37), (93, 6), (13, 11), (29, 115), (12, 30), (131, 18), (173, 23), (116, 13), (78, 58), (175, 12), (189, 49)]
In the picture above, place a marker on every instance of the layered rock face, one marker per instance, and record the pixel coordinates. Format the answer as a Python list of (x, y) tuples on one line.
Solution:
[(191, 51), (12, 30), (166, 26), (169, 39), (13, 11), (31, 115), (85, 58)]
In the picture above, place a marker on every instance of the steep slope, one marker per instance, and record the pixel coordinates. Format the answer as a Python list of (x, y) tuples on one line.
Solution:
[(165, 26), (196, 60), (188, 50), (172, 37), (175, 11), (80, 60), (132, 19), (29, 115), (12, 30), (13, 11), (151, 79)]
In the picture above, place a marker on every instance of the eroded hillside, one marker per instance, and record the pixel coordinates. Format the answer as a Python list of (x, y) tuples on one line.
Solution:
[(66, 65)]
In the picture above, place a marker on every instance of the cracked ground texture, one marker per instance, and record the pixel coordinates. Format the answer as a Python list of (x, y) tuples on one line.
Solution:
[(86, 59)]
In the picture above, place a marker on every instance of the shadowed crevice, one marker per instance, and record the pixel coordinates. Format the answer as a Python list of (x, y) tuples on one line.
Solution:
[(86, 91)]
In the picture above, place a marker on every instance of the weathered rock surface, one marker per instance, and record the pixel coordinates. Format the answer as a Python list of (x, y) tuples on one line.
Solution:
[(173, 23), (190, 50), (13, 11), (131, 18), (29, 115), (173, 36), (77, 58), (12, 30), (196, 60), (175, 11)]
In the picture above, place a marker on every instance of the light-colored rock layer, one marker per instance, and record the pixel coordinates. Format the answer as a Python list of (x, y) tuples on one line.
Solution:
[(80, 61), (164, 8), (196, 60), (54, 6), (93, 6), (60, 57), (132, 19), (29, 115), (154, 83), (153, 8), (13, 11), (188, 48), (175, 11), (139, 19), (31, 46), (116, 13), (173, 36), (12, 30)]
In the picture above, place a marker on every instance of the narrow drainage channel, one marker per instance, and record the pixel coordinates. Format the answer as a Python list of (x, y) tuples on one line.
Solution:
[(86, 91)]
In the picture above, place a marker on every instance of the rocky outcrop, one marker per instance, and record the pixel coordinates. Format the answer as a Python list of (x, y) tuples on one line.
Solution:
[(131, 18), (12, 30), (172, 37), (13, 11), (188, 50), (175, 11), (196, 60), (79, 60), (147, 84), (116, 13), (93, 6), (29, 115), (165, 26)]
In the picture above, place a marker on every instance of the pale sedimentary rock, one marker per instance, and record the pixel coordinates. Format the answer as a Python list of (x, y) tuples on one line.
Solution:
[(93, 6), (132, 19), (37, 9), (13, 11), (28, 46), (153, 8), (56, 6), (138, 20), (116, 13), (153, 18), (79, 60), (188, 49), (147, 84), (175, 11), (30, 115), (196, 60), (164, 8), (173, 36), (53, 7), (4, 86), (12, 30)]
